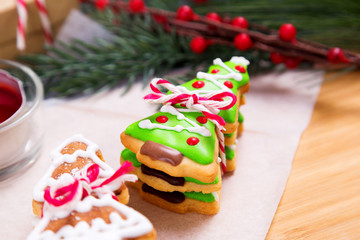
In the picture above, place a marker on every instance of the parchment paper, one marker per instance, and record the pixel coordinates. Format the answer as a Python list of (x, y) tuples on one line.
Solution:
[(278, 109)]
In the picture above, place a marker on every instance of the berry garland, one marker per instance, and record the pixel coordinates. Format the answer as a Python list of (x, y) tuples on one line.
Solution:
[(212, 29)]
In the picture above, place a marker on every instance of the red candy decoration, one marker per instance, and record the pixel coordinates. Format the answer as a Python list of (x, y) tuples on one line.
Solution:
[(198, 44), (198, 84), (101, 4), (192, 141), (292, 62), (162, 119), (336, 55), (202, 119), (185, 13), (213, 16), (243, 41), (136, 6), (228, 84), (287, 32), (240, 22), (240, 68), (215, 70), (277, 58)]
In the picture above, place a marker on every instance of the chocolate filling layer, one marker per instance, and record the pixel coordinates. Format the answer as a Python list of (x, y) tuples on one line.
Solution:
[(176, 181), (173, 197), (161, 152)]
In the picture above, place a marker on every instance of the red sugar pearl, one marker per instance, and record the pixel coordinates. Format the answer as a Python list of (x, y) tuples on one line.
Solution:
[(198, 84), (215, 70), (192, 141), (228, 84), (202, 119), (162, 119), (240, 69)]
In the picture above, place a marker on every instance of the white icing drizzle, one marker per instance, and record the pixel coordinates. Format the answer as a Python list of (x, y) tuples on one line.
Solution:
[(58, 159), (232, 146), (135, 224), (147, 124), (216, 196), (240, 60)]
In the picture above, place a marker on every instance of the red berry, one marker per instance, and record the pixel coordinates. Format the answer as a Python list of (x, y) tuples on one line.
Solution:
[(137, 6), (198, 44), (287, 32), (213, 16), (336, 55), (160, 19), (162, 119), (101, 4), (240, 22), (192, 141), (202, 119), (215, 70), (240, 68), (228, 84), (185, 13), (277, 58), (242, 41), (292, 62), (198, 84)]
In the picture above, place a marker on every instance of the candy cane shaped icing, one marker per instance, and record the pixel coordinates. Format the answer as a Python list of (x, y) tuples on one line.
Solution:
[(132, 225)]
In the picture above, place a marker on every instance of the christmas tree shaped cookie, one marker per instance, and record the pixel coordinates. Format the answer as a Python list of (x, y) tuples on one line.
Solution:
[(76, 156), (227, 76), (175, 155), (70, 214)]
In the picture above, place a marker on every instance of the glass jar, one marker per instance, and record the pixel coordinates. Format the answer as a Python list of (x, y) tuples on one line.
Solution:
[(21, 135)]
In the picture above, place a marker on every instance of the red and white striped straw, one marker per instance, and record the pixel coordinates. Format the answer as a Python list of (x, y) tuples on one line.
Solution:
[(21, 26), (22, 22), (45, 22)]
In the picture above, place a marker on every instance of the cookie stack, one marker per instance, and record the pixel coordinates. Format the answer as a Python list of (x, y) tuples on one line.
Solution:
[(180, 152)]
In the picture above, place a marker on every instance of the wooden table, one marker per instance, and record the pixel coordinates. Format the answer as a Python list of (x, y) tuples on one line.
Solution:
[(322, 196)]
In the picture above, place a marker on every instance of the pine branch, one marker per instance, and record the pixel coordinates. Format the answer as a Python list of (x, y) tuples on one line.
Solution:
[(139, 49)]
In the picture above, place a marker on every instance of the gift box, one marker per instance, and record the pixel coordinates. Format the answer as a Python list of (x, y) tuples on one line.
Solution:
[(57, 11)]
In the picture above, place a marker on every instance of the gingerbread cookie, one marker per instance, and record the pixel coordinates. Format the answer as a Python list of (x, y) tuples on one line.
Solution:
[(75, 156), (69, 215)]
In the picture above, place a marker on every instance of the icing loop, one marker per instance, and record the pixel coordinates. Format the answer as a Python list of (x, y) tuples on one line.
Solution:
[(209, 103), (86, 182)]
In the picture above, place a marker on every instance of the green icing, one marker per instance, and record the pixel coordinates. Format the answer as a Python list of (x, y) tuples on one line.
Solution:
[(229, 135), (202, 153), (190, 179), (240, 118), (230, 154), (128, 155), (205, 197)]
